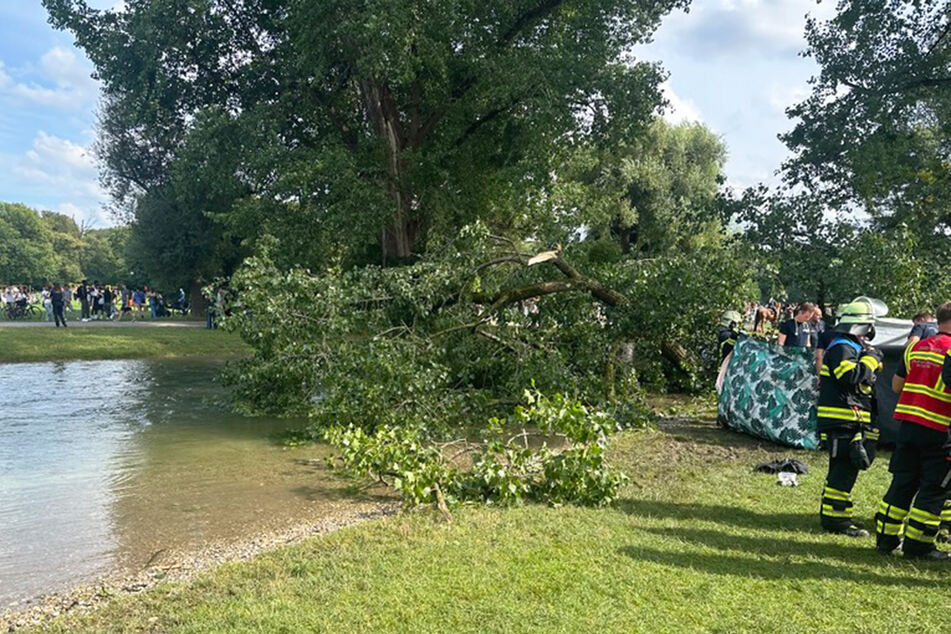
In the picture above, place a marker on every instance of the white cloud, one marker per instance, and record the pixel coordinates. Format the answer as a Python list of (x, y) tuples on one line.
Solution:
[(48, 149), (756, 27), (59, 169), (59, 80), (679, 110), (71, 210), (782, 96)]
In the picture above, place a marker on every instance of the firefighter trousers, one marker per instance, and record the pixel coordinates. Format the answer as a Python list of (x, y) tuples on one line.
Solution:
[(916, 498), (835, 512)]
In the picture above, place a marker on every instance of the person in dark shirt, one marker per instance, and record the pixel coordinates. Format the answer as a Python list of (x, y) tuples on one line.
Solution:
[(82, 292), (795, 332), (108, 297), (925, 326), (826, 335), (56, 298)]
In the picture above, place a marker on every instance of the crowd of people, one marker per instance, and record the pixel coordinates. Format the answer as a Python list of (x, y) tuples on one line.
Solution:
[(94, 301), (916, 507)]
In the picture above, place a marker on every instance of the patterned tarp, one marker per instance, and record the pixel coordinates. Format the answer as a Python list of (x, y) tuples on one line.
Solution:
[(770, 392)]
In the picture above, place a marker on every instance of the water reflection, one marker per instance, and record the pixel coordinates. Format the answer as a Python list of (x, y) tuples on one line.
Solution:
[(108, 465)]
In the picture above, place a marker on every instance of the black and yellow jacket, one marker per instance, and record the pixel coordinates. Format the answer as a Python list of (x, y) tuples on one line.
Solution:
[(726, 341), (846, 382)]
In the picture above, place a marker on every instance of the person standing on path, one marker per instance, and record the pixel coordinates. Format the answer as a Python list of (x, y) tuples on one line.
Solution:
[(924, 326), (56, 300), (82, 292), (796, 332), (150, 296), (67, 299), (138, 301), (108, 297), (47, 304)]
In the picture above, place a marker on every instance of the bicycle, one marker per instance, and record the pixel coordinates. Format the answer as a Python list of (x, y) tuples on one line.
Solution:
[(27, 312)]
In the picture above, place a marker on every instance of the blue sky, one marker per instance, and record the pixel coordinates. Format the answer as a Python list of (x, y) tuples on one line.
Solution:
[(733, 64)]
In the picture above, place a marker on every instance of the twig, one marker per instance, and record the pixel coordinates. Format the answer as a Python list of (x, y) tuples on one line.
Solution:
[(464, 451), (441, 504), (516, 259)]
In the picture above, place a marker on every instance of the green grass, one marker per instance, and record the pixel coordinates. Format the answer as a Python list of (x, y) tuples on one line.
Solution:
[(698, 543), (58, 344)]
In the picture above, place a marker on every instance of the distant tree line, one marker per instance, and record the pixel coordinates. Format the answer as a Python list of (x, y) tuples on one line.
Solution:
[(40, 247)]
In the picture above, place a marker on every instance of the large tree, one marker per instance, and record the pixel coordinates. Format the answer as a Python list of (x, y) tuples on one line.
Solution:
[(650, 192), (364, 126), (40, 247), (876, 130), (26, 246)]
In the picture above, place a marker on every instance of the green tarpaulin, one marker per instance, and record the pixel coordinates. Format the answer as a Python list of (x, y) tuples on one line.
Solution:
[(770, 392)]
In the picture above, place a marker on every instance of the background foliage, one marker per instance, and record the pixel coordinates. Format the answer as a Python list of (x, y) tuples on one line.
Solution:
[(38, 248)]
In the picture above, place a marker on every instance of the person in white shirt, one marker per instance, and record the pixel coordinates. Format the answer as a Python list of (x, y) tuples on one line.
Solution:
[(47, 303)]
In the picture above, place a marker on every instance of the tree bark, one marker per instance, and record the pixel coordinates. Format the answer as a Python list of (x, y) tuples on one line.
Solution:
[(197, 304), (400, 232)]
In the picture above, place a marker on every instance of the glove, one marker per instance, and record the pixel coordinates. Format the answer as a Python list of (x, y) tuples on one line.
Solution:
[(858, 452)]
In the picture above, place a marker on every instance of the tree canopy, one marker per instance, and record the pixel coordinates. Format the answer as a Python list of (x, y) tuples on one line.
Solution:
[(876, 129), (44, 247), (355, 130)]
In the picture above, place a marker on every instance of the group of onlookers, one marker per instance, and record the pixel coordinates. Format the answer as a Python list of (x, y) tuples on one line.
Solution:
[(15, 300), (96, 301), (103, 301), (798, 326), (804, 325)]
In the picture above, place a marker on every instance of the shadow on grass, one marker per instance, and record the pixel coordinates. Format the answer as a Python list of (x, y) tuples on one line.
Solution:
[(730, 515), (750, 566), (708, 433), (858, 550)]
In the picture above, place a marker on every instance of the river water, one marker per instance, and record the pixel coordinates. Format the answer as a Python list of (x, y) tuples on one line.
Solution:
[(105, 466)]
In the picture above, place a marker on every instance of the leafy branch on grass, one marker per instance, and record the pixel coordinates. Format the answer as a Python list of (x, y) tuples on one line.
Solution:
[(566, 466)]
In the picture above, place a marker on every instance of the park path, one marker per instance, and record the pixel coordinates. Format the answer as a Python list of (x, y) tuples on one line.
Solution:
[(105, 324)]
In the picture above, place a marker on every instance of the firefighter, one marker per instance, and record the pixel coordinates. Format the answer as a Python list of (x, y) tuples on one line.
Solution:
[(727, 333), (920, 465), (845, 423)]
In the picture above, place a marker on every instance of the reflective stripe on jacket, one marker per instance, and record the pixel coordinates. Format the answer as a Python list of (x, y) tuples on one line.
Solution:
[(845, 381), (926, 399)]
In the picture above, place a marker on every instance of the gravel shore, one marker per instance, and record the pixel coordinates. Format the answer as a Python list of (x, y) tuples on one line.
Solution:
[(178, 567)]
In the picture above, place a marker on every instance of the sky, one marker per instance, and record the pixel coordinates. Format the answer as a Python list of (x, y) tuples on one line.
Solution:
[(734, 65)]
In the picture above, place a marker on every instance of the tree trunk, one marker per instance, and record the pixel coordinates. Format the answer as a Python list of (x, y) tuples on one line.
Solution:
[(399, 239), (400, 233), (197, 304)]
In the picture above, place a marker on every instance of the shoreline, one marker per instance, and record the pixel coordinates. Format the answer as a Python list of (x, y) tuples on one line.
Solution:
[(107, 343), (176, 567)]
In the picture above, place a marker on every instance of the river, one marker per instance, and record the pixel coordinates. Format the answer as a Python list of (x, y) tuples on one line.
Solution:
[(108, 466)]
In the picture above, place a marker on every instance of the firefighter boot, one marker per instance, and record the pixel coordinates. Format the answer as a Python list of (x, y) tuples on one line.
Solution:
[(927, 555), (846, 528)]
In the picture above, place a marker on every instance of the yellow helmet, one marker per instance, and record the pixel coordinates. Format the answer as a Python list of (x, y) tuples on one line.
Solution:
[(731, 319), (857, 318)]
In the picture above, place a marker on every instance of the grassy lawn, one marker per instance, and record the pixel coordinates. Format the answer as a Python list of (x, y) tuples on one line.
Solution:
[(56, 344), (699, 543)]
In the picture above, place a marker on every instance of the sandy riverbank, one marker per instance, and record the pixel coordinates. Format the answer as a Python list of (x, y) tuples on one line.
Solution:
[(170, 567)]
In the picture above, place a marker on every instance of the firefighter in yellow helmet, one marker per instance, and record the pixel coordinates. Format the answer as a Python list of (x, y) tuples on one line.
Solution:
[(847, 378), (727, 332)]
